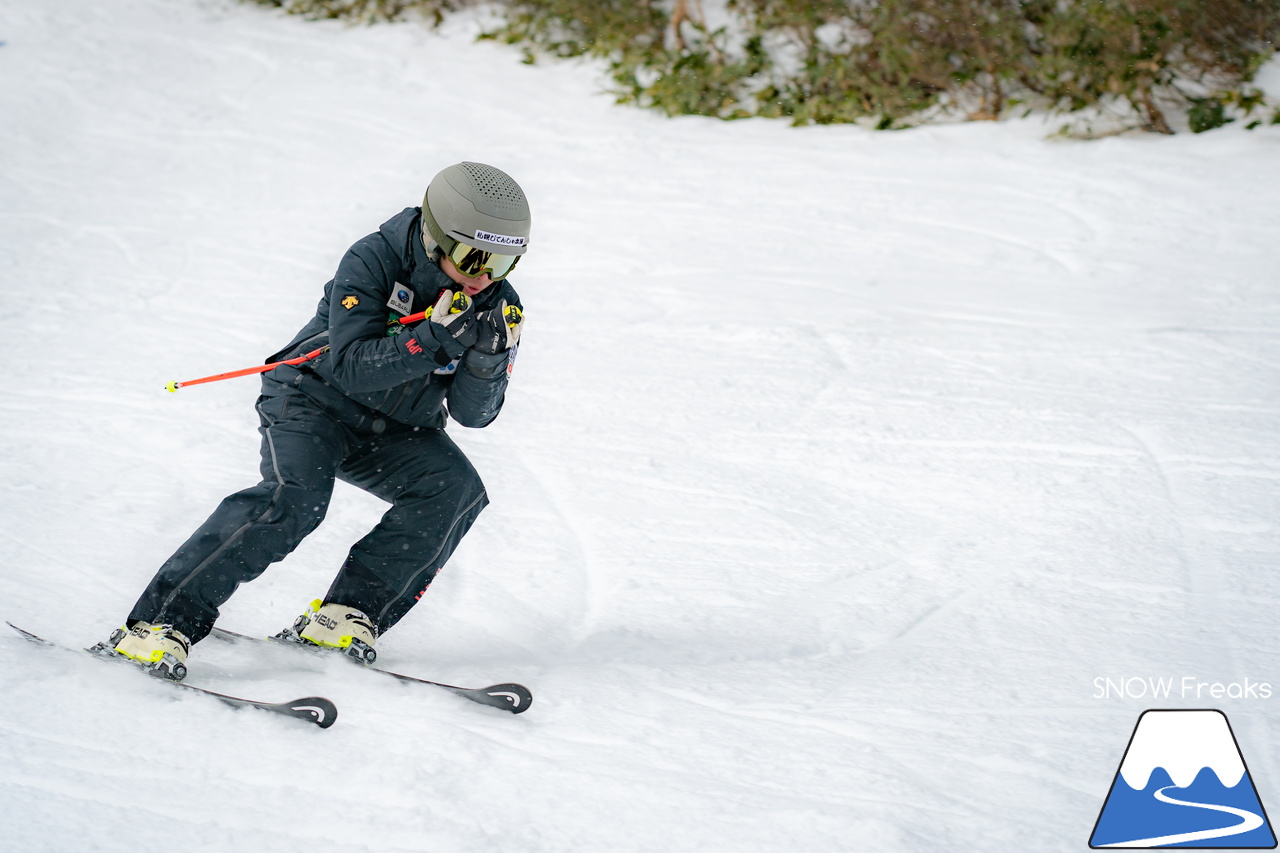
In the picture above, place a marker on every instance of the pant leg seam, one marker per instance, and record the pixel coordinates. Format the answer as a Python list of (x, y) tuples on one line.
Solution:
[(234, 537), (448, 535)]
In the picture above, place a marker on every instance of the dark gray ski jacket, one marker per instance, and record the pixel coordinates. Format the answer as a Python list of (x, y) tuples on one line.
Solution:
[(374, 361)]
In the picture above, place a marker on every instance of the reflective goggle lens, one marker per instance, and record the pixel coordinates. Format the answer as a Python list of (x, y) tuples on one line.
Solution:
[(473, 262)]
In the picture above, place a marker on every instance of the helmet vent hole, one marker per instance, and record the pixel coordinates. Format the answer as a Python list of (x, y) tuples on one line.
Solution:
[(495, 187)]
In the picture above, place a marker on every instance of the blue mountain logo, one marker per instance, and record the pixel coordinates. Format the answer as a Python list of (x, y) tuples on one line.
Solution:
[(1183, 783)]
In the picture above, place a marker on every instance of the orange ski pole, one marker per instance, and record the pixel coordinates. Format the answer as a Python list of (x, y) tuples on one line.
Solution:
[(263, 368), (248, 371)]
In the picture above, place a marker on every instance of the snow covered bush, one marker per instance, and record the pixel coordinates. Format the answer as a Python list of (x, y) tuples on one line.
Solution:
[(1153, 64), (367, 11)]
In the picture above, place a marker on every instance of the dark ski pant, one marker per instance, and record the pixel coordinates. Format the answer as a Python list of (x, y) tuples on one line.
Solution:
[(435, 496)]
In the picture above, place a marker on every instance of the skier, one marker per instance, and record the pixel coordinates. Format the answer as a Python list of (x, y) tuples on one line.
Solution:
[(371, 409)]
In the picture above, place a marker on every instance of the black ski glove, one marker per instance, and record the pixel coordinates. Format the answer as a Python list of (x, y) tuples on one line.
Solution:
[(498, 329), (451, 329)]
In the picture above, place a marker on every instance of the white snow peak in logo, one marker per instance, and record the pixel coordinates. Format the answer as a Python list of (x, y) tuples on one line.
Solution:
[(1182, 782)]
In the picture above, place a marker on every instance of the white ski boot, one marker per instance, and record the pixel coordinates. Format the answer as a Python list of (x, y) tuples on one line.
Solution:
[(159, 649), (335, 626)]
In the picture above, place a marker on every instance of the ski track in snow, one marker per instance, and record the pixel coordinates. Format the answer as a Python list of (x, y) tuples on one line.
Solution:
[(836, 464)]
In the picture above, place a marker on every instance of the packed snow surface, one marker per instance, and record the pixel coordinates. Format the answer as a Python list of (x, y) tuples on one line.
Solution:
[(850, 486)]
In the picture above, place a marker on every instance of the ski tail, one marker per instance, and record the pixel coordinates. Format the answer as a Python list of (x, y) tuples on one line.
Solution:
[(312, 709)]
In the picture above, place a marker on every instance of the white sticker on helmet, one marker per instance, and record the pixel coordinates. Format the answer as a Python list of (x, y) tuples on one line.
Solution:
[(500, 239)]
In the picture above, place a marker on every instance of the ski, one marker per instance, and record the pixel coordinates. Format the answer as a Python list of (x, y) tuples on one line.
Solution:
[(312, 709), (514, 698)]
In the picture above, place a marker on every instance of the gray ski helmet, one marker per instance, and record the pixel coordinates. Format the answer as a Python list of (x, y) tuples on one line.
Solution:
[(478, 205)]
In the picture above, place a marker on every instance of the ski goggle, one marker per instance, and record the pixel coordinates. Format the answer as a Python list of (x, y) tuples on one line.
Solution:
[(473, 262)]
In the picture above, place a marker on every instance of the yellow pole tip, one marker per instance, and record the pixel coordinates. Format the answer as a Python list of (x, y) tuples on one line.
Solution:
[(171, 387)]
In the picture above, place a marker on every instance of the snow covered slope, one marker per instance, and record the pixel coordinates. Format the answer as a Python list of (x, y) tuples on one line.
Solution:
[(836, 468)]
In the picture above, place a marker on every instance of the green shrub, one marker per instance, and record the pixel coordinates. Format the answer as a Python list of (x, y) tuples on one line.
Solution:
[(367, 11), (894, 63)]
